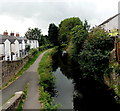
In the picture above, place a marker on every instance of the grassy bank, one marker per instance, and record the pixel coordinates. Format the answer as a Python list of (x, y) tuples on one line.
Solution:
[(20, 106), (33, 55), (47, 80)]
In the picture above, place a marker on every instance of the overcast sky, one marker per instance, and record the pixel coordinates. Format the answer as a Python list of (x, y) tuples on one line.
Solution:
[(18, 15)]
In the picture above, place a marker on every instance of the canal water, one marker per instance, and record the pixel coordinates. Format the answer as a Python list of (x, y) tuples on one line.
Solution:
[(74, 92)]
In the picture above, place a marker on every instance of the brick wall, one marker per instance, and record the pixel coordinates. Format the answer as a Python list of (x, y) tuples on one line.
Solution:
[(10, 68)]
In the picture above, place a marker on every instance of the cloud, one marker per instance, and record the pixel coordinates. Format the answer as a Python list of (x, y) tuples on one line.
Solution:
[(40, 13)]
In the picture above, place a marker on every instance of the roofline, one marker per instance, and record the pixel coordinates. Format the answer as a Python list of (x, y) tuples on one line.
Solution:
[(109, 19)]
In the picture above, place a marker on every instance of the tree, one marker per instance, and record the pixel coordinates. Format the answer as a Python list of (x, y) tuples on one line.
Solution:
[(53, 34), (86, 25), (65, 28), (34, 34), (94, 58), (78, 36)]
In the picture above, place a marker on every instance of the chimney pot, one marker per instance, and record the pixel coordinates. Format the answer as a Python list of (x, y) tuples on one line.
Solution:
[(17, 35), (12, 34), (5, 33)]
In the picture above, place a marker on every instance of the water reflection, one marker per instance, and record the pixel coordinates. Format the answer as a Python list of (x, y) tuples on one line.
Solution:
[(80, 94), (65, 90)]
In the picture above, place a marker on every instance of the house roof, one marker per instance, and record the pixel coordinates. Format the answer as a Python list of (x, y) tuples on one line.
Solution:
[(109, 19), (11, 39)]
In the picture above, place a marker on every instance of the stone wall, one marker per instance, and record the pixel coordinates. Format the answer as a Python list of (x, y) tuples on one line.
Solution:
[(10, 68)]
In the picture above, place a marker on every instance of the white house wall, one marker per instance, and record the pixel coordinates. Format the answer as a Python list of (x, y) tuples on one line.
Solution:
[(20, 46), (7, 49), (17, 48), (37, 44), (112, 24), (23, 45), (2, 49), (13, 48)]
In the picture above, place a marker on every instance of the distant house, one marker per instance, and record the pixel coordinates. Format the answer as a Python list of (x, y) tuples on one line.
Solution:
[(111, 25), (14, 47)]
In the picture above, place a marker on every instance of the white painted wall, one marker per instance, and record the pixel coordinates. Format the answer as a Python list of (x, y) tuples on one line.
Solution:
[(7, 49), (17, 49), (13, 48), (23, 45), (113, 24), (28, 42), (20, 46), (2, 49), (37, 44)]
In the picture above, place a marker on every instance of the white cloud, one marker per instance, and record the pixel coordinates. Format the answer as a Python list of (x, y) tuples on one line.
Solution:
[(18, 15), (14, 25)]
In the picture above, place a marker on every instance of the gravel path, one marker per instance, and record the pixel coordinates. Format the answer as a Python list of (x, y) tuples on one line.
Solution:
[(30, 76)]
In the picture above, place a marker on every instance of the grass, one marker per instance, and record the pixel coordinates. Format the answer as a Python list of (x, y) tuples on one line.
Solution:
[(25, 67), (47, 80), (20, 106)]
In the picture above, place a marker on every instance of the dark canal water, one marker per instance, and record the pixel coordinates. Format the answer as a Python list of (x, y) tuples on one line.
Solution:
[(79, 94)]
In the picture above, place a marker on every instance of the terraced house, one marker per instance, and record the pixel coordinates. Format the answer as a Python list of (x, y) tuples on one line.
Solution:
[(13, 47)]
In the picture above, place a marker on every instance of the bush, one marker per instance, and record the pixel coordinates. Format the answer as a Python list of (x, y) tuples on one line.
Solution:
[(33, 52), (94, 58), (43, 47)]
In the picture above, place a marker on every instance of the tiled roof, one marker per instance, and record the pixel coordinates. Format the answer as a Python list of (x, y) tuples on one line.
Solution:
[(11, 39)]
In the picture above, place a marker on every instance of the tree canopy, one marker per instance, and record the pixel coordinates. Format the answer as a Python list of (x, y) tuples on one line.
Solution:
[(35, 34), (65, 28), (53, 34), (94, 58)]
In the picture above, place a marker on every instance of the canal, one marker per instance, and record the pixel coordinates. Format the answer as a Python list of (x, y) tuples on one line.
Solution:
[(74, 92)]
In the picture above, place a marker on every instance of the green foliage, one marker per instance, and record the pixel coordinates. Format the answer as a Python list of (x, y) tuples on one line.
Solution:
[(44, 47), (45, 98), (65, 28), (78, 36), (27, 48), (47, 80), (53, 34), (33, 52), (20, 106), (35, 34), (44, 40), (46, 77), (86, 25), (94, 58)]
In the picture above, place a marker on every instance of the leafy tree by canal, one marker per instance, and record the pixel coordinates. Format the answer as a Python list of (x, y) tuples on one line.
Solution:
[(65, 28), (53, 34), (94, 58), (90, 49), (78, 35)]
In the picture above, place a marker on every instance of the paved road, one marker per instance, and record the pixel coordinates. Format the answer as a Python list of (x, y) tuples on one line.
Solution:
[(30, 76)]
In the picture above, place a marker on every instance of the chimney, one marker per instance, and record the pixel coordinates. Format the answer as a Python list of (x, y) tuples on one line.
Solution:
[(17, 34), (11, 34), (5, 33)]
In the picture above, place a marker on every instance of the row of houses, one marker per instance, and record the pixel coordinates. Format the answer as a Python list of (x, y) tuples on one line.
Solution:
[(13, 47)]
